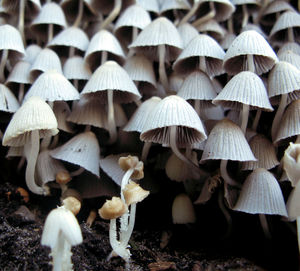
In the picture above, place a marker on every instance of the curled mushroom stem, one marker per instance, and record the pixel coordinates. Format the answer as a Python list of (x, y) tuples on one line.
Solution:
[(31, 162), (21, 19), (191, 13), (264, 225), (162, 69), (245, 16), (176, 151), (225, 176), (3, 64), (278, 115), (145, 151), (113, 14), (111, 117), (210, 15), (244, 117), (79, 15)]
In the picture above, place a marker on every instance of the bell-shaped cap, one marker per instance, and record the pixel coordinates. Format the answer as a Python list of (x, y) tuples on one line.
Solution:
[(289, 125), (201, 46), (53, 86), (291, 163), (132, 162), (173, 111), (83, 150), (112, 76), (213, 29), (71, 37), (75, 69), (264, 151), (19, 74), (284, 78), (244, 88), (11, 40), (261, 194), (249, 43), (160, 31), (226, 141), (61, 223), (140, 116), (103, 41), (34, 114), (113, 208), (149, 5), (8, 101), (187, 32), (31, 52), (290, 57), (183, 210)]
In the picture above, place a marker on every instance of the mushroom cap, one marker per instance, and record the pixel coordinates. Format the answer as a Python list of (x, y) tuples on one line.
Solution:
[(289, 125), (173, 111), (53, 86), (103, 40), (183, 210), (113, 208), (112, 76), (12, 6), (291, 163), (149, 5), (201, 45), (292, 46), (31, 52), (284, 78), (83, 150), (75, 69), (244, 88), (187, 32), (289, 19), (61, 223), (226, 141), (62, 110), (160, 31), (134, 193), (261, 194), (8, 101), (11, 40), (290, 57), (34, 114), (174, 5), (71, 37), (140, 116), (46, 60), (198, 86), (213, 29), (132, 162), (19, 74), (264, 151), (249, 43), (140, 68)]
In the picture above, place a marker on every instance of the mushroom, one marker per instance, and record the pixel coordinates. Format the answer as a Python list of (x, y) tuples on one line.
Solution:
[(34, 119), (61, 232), (291, 163), (183, 210)]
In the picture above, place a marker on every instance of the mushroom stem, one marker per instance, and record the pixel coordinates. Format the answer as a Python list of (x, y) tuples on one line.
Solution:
[(256, 119), (61, 254), (245, 16), (197, 106), (298, 139), (113, 14), (298, 231), (162, 69), (145, 151), (71, 51), (104, 55), (250, 62), (3, 64), (21, 93), (79, 15), (191, 13), (230, 25), (21, 19), (245, 116), (50, 32), (111, 117), (225, 213), (31, 162), (77, 172), (224, 174), (211, 14), (125, 236), (264, 225), (202, 63), (290, 32), (134, 35), (173, 145), (278, 115)]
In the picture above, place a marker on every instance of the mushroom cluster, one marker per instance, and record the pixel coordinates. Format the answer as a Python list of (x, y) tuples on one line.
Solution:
[(208, 91)]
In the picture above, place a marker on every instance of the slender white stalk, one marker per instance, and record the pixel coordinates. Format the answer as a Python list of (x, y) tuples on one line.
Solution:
[(245, 116), (79, 15), (104, 56), (125, 236), (245, 15), (264, 225), (113, 14), (298, 232), (224, 174), (202, 63), (197, 106), (278, 115), (145, 151), (31, 162), (21, 20), (291, 37), (162, 69), (256, 119), (111, 117), (50, 32), (250, 62), (3, 64), (134, 35), (191, 13), (21, 93), (210, 15)]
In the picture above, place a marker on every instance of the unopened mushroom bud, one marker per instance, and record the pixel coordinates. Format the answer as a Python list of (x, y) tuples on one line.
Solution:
[(72, 204), (133, 193), (291, 163), (132, 162), (113, 208), (183, 210), (63, 177)]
